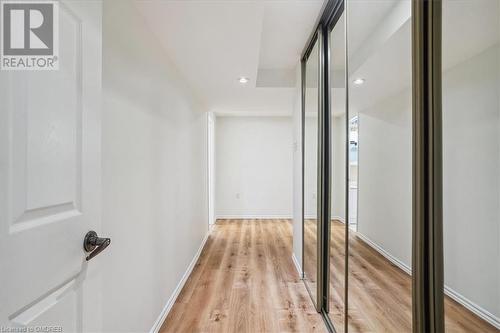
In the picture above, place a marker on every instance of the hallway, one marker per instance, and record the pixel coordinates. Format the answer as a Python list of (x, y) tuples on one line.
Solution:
[(193, 166), (245, 281)]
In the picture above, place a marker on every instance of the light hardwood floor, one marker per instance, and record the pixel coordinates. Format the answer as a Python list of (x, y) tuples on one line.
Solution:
[(311, 255), (380, 292), (245, 281)]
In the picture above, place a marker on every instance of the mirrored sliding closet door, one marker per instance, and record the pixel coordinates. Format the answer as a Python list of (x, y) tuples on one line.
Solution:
[(337, 227), (401, 128), (471, 164), (379, 165)]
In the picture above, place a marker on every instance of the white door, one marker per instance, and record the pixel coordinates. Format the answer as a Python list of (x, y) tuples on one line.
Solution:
[(50, 182)]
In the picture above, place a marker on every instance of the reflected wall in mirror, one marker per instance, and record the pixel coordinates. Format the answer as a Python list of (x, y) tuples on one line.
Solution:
[(380, 95), (353, 170), (371, 142), (338, 259), (310, 137), (471, 164), (380, 139)]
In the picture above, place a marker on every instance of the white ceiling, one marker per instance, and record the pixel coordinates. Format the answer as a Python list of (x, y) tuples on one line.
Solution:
[(213, 43), (469, 27)]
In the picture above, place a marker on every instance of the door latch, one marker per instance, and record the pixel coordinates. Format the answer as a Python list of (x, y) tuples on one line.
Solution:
[(94, 244)]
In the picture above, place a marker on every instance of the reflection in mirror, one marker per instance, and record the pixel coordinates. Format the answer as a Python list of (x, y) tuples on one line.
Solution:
[(471, 164), (311, 110), (380, 134), (338, 191), (353, 170), (379, 56)]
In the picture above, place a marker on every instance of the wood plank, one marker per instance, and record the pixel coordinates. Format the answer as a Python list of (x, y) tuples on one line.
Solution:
[(380, 292), (245, 281)]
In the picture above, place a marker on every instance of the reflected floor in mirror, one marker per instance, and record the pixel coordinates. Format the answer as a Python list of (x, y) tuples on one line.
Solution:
[(380, 292), (310, 255)]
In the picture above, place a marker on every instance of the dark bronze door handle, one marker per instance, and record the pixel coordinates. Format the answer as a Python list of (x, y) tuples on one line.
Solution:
[(94, 244)]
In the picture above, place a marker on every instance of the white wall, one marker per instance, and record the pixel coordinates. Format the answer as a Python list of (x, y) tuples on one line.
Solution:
[(471, 178), (297, 172), (385, 197), (154, 173), (338, 167), (311, 166), (211, 119), (471, 161), (254, 167)]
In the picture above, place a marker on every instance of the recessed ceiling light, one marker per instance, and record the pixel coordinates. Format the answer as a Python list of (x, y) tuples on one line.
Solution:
[(243, 80), (358, 81)]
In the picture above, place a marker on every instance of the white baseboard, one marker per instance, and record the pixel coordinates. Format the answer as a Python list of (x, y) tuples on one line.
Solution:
[(297, 266), (338, 218), (473, 307), (384, 253), (254, 217), (170, 303), (469, 305)]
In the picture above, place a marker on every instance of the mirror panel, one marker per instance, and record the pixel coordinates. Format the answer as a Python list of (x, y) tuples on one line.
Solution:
[(337, 260), (380, 138), (371, 149), (471, 164), (310, 137)]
